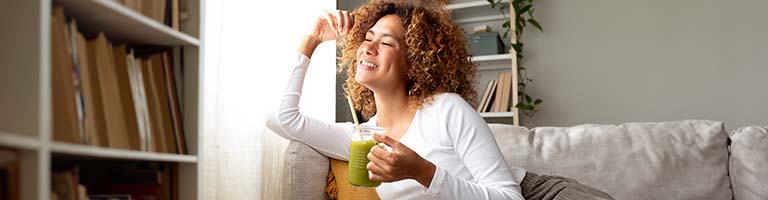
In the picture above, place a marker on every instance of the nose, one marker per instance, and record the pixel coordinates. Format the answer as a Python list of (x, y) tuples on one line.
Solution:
[(368, 48)]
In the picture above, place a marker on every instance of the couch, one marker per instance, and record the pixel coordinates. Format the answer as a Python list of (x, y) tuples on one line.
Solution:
[(690, 159)]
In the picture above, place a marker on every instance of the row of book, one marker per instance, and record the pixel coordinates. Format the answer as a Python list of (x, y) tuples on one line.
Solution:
[(108, 95), (163, 11), (497, 93), (115, 181), (9, 174)]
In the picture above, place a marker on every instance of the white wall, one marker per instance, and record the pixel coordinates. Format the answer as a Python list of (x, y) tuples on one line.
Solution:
[(249, 53), (613, 61)]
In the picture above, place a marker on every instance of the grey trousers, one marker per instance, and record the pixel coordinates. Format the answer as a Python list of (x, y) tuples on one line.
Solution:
[(535, 186)]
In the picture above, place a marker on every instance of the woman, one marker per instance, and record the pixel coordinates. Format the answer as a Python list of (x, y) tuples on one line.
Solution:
[(408, 72)]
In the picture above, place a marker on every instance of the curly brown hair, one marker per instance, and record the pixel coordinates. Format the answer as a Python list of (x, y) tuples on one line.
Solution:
[(435, 51)]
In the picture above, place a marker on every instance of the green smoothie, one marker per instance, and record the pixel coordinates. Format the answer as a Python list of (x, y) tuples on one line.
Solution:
[(358, 159)]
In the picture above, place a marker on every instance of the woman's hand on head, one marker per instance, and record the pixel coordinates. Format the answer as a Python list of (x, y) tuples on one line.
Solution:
[(398, 164), (332, 25)]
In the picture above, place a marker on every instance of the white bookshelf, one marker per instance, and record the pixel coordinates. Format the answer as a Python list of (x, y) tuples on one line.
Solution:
[(471, 13), (25, 82)]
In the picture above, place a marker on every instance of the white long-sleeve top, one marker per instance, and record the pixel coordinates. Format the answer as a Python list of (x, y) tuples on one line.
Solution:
[(447, 132)]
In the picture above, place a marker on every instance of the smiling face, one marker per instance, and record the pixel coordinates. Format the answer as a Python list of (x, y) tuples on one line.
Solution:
[(381, 64)]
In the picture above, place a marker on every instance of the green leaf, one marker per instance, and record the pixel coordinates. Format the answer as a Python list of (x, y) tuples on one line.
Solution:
[(537, 102), (535, 23), (525, 9), (517, 47), (506, 24), (528, 98)]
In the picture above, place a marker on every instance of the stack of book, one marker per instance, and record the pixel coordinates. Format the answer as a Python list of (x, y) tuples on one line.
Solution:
[(496, 96), (107, 95), (163, 11), (116, 181)]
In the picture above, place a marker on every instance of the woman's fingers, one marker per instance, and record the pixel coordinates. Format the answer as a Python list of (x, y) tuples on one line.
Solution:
[(339, 22), (332, 23), (347, 22), (380, 155), (375, 172)]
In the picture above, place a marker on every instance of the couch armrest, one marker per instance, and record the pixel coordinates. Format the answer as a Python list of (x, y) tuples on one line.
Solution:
[(306, 172)]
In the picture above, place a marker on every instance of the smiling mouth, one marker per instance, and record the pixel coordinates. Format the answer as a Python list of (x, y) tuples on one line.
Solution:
[(367, 64)]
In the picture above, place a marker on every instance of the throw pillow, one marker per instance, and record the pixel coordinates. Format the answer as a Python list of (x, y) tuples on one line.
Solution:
[(339, 188)]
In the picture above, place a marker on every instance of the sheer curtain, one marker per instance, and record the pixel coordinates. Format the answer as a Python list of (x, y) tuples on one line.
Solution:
[(249, 52)]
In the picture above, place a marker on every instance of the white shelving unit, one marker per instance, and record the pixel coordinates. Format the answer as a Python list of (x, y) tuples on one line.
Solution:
[(470, 13), (25, 82)]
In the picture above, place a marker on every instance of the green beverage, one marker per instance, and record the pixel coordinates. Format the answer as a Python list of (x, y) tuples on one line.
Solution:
[(358, 156)]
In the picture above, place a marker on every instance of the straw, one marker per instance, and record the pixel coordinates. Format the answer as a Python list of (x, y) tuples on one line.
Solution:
[(354, 117)]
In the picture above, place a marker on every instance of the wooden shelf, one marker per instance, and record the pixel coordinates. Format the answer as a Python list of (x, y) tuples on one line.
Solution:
[(123, 24), (120, 154), (18, 141), (497, 114)]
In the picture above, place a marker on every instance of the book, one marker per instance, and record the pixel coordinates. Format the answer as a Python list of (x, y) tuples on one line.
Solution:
[(173, 103), (174, 15), (126, 97), (114, 113), (132, 4), (64, 183), (95, 124), (163, 102), (74, 53), (82, 192), (499, 92), (486, 94), (154, 9), (148, 141), (138, 100), (153, 106), (504, 106), (492, 96), (64, 108)]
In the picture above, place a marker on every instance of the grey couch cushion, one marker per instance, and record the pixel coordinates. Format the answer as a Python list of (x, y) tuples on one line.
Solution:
[(749, 163), (305, 174), (667, 160)]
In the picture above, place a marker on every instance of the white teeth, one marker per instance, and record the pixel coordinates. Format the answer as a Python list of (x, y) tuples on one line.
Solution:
[(368, 64)]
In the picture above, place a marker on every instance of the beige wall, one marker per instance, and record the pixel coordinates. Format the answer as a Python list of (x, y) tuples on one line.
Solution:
[(609, 61)]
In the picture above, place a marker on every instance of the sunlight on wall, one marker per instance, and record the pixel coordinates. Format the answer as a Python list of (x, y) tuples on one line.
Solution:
[(249, 53)]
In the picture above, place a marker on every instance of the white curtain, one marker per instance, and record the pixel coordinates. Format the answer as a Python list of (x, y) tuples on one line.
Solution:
[(249, 53)]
